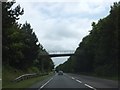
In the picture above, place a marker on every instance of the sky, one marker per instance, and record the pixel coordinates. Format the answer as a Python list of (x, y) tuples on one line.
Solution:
[(60, 25)]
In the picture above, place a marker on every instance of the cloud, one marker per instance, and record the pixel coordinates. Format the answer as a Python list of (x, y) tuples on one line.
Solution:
[(83, 8), (61, 30)]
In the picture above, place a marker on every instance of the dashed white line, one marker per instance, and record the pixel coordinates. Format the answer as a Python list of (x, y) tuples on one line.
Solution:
[(45, 84), (73, 78), (90, 86), (78, 81), (81, 82)]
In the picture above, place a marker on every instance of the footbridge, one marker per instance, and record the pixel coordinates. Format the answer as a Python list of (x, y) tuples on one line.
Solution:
[(59, 53)]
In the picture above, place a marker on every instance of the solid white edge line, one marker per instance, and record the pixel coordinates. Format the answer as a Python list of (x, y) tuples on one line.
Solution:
[(90, 86), (78, 81), (45, 84)]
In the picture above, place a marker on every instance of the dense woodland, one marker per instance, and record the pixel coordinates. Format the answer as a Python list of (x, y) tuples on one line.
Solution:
[(20, 46), (98, 52)]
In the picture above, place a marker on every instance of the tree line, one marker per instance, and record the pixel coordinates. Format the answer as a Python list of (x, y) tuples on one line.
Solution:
[(98, 51), (20, 46)]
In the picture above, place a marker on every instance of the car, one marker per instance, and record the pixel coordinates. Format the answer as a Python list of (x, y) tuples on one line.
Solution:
[(60, 73)]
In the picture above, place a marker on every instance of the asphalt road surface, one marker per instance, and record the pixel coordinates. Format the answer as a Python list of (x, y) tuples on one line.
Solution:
[(76, 82)]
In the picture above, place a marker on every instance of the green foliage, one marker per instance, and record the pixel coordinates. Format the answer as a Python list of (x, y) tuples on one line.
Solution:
[(26, 83), (33, 69), (21, 49), (98, 52), (9, 73)]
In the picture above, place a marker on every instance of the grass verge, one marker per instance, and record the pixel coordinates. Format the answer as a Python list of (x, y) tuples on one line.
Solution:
[(0, 84), (0, 78), (27, 83), (10, 73)]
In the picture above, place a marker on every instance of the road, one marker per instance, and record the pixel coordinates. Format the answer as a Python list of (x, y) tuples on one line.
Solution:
[(76, 81)]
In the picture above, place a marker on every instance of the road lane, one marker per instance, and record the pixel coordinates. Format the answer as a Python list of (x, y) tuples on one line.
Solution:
[(76, 81), (64, 81)]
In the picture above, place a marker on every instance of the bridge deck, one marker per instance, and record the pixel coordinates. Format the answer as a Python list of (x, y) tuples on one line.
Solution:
[(60, 55)]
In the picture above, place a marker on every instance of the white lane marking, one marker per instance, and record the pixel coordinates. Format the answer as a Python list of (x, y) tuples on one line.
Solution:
[(78, 81), (45, 84), (73, 78), (56, 74), (0, 79), (69, 76), (90, 86)]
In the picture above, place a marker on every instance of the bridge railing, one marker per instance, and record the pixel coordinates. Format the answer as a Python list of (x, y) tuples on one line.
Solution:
[(61, 52), (58, 53)]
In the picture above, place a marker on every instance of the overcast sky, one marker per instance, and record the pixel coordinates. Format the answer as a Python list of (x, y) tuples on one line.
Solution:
[(61, 24)]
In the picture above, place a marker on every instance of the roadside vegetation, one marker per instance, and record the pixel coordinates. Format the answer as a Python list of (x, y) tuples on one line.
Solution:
[(21, 50), (0, 78), (97, 54), (0, 72), (9, 83)]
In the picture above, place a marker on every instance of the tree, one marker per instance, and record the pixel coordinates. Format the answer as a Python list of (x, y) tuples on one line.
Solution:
[(9, 17), (21, 48), (98, 51)]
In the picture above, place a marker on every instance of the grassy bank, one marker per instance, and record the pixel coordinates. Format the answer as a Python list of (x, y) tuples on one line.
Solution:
[(9, 74), (0, 78), (0, 73), (27, 83)]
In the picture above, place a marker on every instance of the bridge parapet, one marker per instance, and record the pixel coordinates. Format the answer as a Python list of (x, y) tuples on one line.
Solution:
[(62, 52), (59, 53)]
